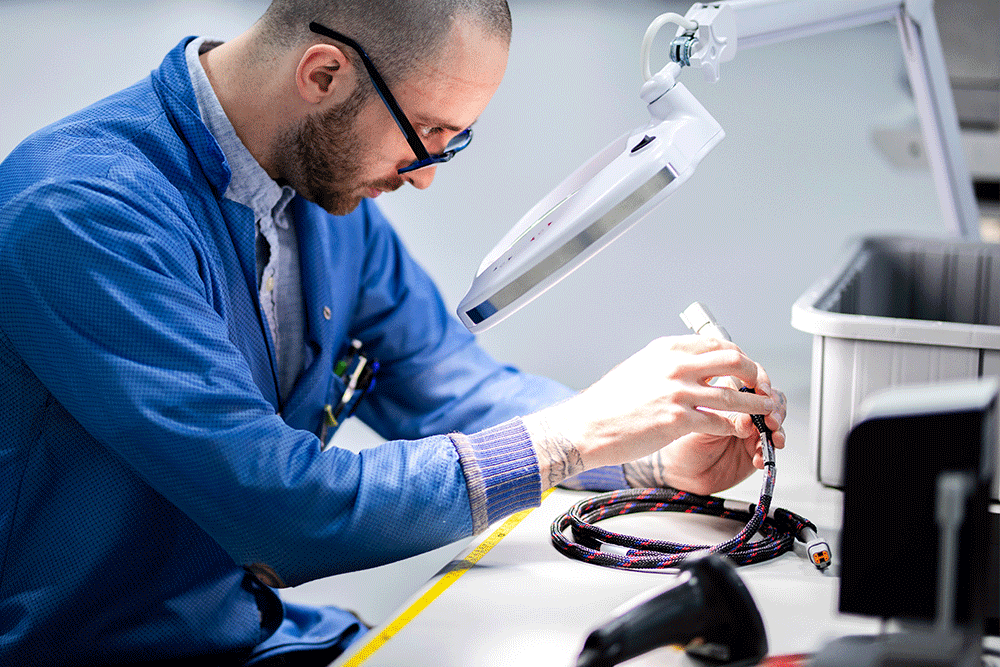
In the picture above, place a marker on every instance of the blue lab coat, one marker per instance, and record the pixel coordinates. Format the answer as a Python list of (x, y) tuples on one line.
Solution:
[(145, 458)]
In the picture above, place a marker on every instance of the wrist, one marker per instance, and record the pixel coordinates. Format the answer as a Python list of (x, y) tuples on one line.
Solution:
[(651, 471), (558, 452)]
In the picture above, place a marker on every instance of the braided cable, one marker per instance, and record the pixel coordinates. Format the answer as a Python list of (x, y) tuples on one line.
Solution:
[(594, 544)]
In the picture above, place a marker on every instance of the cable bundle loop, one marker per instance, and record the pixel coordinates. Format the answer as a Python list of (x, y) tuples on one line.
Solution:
[(602, 547), (593, 544)]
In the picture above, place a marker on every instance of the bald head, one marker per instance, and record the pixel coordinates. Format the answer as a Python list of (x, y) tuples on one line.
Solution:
[(396, 34), (305, 107)]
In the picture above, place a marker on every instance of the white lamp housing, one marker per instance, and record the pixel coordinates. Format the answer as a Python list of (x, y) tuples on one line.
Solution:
[(629, 178), (594, 205)]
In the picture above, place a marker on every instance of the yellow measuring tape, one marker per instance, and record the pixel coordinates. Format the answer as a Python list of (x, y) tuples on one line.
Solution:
[(455, 571)]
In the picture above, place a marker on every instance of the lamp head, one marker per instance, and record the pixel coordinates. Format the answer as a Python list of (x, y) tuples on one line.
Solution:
[(591, 208)]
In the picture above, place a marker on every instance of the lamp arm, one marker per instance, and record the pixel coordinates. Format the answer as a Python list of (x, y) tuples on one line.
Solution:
[(633, 175), (939, 122), (725, 27), (764, 22)]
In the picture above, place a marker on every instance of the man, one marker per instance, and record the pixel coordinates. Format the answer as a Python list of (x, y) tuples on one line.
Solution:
[(177, 324)]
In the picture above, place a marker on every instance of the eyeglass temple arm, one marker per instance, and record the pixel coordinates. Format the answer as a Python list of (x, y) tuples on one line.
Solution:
[(381, 88)]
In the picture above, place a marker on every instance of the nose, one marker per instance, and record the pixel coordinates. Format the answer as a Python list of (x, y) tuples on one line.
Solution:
[(421, 178)]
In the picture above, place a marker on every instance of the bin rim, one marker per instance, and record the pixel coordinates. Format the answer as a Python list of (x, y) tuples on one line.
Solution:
[(808, 318)]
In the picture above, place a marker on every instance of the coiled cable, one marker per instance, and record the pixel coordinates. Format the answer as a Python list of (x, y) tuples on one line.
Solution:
[(778, 529)]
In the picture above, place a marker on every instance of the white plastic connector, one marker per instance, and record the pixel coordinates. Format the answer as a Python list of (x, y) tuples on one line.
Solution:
[(818, 552), (813, 548), (698, 319)]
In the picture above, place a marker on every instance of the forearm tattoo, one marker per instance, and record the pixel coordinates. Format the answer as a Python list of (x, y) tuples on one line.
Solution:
[(558, 456), (646, 472)]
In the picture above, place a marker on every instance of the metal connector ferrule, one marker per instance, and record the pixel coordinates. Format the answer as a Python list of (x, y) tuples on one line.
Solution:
[(681, 49)]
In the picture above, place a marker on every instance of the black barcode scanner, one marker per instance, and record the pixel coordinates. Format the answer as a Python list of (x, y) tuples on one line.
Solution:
[(709, 612)]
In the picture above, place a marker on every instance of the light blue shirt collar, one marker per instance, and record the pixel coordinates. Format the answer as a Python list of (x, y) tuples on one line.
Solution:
[(250, 184)]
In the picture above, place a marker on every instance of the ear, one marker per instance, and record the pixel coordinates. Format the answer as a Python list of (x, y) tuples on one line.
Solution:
[(324, 75)]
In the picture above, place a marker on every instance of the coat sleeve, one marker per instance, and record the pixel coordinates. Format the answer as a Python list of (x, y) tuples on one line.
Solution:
[(107, 303), (436, 378)]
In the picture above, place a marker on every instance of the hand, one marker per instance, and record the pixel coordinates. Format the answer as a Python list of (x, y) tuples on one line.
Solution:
[(706, 464), (653, 398)]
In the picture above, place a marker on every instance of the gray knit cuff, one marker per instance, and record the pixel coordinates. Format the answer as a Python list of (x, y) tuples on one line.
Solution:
[(501, 472)]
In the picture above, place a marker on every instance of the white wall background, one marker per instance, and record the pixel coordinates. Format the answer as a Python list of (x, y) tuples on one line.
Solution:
[(765, 214), (762, 217)]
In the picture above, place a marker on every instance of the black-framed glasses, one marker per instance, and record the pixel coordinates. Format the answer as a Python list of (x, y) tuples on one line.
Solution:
[(424, 159)]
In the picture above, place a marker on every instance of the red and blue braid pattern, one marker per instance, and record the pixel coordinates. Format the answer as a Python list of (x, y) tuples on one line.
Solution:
[(593, 544)]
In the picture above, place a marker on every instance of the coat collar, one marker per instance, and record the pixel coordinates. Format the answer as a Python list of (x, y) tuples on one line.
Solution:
[(172, 83)]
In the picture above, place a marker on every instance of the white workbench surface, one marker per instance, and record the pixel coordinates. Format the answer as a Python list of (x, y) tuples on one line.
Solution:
[(525, 604)]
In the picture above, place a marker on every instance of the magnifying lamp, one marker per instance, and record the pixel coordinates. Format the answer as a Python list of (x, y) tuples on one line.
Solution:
[(634, 174)]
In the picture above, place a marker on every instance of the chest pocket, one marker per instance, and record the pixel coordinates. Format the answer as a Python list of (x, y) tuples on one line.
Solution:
[(352, 378), (330, 422)]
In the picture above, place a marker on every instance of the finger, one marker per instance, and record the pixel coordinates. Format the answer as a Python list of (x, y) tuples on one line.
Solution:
[(778, 438), (774, 419), (763, 383), (730, 400), (777, 432), (695, 344), (753, 446), (745, 429), (743, 426), (713, 423), (782, 402), (751, 373), (726, 362), (754, 451)]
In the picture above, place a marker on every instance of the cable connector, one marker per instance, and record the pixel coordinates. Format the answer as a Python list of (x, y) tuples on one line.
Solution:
[(807, 543), (814, 548)]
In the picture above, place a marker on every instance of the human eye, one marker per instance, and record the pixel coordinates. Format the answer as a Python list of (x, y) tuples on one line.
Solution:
[(431, 131)]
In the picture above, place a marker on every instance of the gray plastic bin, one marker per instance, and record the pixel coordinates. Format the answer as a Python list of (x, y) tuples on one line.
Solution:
[(895, 311)]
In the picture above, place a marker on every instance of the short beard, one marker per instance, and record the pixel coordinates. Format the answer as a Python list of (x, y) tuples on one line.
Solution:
[(322, 157)]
